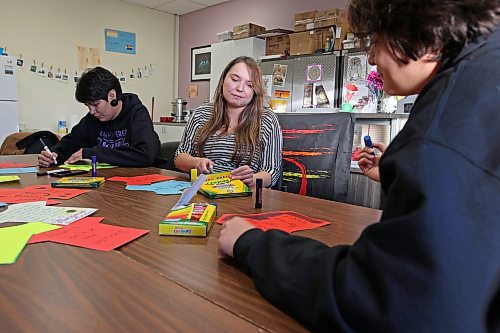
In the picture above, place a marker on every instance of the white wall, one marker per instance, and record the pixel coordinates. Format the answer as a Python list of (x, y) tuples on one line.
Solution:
[(49, 31)]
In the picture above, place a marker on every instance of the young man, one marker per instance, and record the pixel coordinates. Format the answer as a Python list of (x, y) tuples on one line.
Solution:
[(117, 129), (432, 262)]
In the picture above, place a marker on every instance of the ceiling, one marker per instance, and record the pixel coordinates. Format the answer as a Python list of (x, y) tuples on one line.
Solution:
[(178, 7)]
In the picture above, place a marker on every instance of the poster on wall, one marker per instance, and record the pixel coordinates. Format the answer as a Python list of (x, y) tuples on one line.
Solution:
[(119, 41)]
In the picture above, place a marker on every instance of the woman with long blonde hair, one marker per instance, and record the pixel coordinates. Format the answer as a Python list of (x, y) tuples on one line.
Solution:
[(235, 133)]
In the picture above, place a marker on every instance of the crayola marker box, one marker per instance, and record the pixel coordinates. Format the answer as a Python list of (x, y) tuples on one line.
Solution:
[(192, 220)]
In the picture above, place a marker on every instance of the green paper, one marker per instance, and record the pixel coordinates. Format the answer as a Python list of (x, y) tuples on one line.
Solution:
[(14, 239), (87, 167)]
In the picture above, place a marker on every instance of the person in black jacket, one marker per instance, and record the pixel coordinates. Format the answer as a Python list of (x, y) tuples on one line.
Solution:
[(117, 130), (432, 262)]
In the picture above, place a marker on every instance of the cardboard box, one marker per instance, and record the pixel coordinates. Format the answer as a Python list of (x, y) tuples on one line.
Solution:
[(305, 42), (247, 30), (330, 17), (277, 44), (304, 21), (192, 220)]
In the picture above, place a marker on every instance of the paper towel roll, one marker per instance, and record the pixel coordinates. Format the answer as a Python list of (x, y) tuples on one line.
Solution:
[(73, 120)]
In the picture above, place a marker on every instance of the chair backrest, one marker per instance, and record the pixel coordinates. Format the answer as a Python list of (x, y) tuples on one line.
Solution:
[(317, 153), (27, 142), (32, 144), (168, 152)]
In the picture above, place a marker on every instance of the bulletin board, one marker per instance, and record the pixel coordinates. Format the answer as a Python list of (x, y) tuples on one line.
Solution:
[(317, 153)]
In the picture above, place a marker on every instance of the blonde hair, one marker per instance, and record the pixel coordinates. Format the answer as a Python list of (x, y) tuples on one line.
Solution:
[(249, 122)]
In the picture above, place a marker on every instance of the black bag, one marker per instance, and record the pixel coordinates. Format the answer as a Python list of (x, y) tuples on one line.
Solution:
[(32, 144)]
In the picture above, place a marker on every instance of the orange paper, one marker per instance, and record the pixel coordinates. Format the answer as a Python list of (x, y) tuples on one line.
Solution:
[(91, 234), (37, 193), (287, 221), (8, 165), (142, 180)]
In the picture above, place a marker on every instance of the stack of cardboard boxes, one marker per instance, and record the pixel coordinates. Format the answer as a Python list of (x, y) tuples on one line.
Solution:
[(318, 30)]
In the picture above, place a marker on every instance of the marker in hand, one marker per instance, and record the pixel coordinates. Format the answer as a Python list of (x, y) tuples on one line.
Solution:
[(46, 148), (368, 143)]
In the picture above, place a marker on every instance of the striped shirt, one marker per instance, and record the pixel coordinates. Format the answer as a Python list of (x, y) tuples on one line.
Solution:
[(219, 148)]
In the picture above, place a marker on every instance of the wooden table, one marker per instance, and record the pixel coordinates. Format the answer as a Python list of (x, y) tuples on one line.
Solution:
[(155, 283)]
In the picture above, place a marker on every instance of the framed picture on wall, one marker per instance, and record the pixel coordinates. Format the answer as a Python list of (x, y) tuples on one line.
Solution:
[(201, 63)]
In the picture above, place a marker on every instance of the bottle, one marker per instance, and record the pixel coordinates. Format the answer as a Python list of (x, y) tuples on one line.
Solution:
[(327, 44), (61, 127)]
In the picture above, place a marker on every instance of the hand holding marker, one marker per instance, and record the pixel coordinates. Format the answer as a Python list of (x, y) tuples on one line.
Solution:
[(368, 143), (48, 150)]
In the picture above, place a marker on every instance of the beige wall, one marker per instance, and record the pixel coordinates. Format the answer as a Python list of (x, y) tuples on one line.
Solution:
[(49, 31)]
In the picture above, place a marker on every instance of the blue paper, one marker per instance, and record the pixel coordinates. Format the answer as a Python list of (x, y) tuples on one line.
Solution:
[(120, 41), (165, 188), (9, 171)]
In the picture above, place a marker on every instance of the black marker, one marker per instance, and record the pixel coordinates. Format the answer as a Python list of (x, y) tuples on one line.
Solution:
[(368, 143), (258, 193)]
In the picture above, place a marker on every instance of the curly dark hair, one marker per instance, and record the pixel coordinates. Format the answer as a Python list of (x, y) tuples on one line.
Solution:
[(414, 27), (95, 84)]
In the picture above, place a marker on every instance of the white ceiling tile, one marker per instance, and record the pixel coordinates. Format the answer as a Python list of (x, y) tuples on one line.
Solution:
[(149, 3), (209, 2), (180, 7)]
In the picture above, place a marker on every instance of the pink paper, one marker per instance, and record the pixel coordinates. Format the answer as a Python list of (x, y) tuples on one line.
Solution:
[(287, 221)]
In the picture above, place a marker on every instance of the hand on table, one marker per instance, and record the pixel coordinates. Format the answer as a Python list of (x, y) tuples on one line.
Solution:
[(75, 157), (243, 173), (232, 230)]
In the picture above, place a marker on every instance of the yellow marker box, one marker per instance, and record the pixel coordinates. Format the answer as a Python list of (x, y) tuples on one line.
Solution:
[(192, 220)]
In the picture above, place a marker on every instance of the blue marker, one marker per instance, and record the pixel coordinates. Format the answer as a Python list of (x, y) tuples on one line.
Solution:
[(94, 165), (368, 143)]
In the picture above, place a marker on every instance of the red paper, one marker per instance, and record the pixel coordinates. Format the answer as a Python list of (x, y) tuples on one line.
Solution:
[(37, 193), (287, 221), (7, 165), (142, 180), (89, 233)]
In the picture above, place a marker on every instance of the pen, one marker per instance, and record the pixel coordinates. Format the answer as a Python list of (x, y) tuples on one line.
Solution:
[(49, 172), (48, 150), (368, 143)]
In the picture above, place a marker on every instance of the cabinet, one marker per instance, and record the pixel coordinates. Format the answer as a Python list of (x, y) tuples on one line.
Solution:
[(382, 127), (169, 131), (224, 52)]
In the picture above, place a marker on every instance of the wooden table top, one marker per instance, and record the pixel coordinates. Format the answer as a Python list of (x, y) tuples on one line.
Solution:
[(159, 273)]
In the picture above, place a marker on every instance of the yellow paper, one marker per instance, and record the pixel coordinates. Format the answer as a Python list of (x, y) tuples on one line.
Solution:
[(14, 239), (4, 179)]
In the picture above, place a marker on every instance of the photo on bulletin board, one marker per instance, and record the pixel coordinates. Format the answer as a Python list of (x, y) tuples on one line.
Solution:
[(279, 75), (201, 63)]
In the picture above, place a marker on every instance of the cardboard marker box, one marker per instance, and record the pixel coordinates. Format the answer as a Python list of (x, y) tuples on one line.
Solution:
[(192, 220)]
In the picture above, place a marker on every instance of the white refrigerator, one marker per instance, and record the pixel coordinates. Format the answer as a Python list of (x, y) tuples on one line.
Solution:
[(9, 119)]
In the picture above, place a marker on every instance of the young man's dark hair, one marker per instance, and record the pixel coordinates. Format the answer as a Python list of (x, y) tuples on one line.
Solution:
[(414, 27), (117, 129), (95, 84)]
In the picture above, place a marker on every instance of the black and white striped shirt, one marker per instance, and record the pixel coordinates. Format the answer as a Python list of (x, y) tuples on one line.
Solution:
[(219, 149)]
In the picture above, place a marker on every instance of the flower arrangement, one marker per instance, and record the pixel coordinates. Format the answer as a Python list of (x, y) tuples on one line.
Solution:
[(375, 83)]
